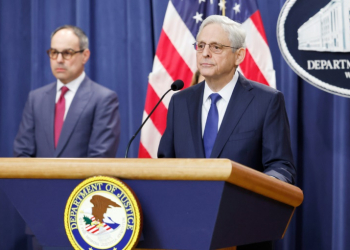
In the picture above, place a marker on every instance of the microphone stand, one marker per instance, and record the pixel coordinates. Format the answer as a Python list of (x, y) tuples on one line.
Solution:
[(133, 137)]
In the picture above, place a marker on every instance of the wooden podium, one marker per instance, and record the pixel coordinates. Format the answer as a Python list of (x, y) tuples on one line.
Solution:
[(186, 203)]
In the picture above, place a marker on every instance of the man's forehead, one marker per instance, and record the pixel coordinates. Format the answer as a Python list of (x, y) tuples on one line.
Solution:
[(64, 33), (209, 41), (65, 38), (212, 33)]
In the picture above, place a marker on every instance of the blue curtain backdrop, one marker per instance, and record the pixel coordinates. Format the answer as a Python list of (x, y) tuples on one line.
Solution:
[(123, 37)]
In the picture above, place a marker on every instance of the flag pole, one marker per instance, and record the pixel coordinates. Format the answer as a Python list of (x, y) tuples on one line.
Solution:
[(224, 8)]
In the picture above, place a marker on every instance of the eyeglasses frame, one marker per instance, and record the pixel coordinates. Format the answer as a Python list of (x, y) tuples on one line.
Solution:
[(73, 53), (210, 45)]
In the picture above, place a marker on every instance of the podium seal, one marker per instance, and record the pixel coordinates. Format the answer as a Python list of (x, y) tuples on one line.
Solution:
[(103, 213)]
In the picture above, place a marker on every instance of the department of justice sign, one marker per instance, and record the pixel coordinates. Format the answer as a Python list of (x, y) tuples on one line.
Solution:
[(103, 213), (314, 39)]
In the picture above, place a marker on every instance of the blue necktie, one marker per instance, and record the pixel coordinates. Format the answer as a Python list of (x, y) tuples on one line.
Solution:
[(211, 126)]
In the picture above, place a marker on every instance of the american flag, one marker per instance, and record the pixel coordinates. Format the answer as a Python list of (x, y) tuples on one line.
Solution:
[(176, 58)]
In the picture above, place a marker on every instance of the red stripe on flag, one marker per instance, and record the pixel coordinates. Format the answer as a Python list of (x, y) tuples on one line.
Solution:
[(256, 19), (174, 64), (251, 70), (159, 115), (143, 153), (91, 229)]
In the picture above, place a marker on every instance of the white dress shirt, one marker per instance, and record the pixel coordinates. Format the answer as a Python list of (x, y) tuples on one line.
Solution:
[(225, 93), (73, 87)]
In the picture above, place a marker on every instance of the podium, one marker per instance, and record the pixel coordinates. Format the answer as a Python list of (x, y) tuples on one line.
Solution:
[(186, 203)]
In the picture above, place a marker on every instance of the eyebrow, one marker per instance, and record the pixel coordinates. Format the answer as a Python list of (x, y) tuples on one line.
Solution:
[(209, 42), (63, 49)]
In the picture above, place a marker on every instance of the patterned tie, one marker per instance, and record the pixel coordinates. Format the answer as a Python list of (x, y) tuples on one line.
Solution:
[(211, 126), (59, 114)]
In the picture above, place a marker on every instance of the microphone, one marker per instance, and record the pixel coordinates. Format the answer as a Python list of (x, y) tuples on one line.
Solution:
[(177, 85)]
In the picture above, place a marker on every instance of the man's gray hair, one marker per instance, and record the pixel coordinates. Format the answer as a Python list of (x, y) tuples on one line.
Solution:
[(236, 34), (83, 39)]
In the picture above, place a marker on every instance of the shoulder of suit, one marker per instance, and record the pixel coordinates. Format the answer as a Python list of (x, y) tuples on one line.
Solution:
[(97, 88), (43, 89), (256, 86), (190, 90)]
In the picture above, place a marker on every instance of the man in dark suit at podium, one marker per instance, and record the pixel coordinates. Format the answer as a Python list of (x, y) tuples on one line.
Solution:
[(227, 115), (74, 116)]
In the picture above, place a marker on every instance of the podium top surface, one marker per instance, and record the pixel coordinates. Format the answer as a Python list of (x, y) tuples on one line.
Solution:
[(152, 169)]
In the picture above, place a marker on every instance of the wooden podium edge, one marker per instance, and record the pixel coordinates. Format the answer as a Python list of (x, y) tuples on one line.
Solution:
[(152, 169), (265, 185)]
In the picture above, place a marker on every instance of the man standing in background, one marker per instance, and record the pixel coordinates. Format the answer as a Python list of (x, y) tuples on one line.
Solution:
[(74, 116)]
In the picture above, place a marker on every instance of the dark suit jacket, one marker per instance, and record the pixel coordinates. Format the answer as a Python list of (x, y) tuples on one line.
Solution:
[(254, 131), (91, 127)]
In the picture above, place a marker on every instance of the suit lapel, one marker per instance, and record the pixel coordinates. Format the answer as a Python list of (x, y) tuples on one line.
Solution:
[(76, 108), (194, 105), (240, 99), (48, 114)]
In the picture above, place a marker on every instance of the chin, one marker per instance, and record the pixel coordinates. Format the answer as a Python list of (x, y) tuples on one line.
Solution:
[(59, 74), (205, 72), (206, 75)]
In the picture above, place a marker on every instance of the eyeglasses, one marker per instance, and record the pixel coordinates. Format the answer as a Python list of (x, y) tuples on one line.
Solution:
[(66, 54), (216, 48)]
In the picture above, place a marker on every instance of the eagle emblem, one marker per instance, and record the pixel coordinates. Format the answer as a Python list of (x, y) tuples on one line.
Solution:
[(99, 222), (103, 213)]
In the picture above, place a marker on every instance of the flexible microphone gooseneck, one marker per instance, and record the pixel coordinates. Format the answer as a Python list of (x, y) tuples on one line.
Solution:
[(177, 85)]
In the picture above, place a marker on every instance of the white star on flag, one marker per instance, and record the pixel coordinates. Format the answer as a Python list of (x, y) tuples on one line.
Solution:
[(201, 1), (198, 17), (237, 8), (222, 4)]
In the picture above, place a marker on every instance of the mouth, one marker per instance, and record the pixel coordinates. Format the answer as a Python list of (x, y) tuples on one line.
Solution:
[(60, 70), (206, 65)]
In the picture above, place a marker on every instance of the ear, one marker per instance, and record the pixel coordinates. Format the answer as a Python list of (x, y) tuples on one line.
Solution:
[(240, 55), (86, 55)]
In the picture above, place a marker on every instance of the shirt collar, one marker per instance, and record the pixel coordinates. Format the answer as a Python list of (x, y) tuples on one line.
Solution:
[(225, 92), (73, 85)]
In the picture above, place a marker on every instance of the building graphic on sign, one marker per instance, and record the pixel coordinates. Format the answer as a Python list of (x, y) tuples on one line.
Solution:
[(328, 30)]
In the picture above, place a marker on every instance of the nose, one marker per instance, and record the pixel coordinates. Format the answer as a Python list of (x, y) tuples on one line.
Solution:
[(206, 51), (59, 57)]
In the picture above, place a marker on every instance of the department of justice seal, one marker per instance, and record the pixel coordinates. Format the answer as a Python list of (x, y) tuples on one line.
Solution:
[(314, 39), (103, 213)]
